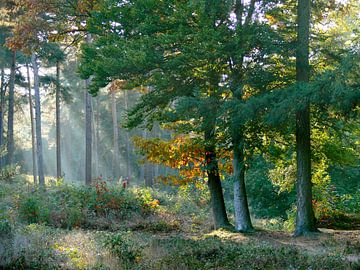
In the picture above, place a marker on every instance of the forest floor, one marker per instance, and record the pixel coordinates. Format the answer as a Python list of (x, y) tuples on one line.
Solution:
[(174, 233)]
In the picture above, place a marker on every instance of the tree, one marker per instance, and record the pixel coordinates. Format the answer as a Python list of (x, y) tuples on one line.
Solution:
[(39, 148), (31, 108), (10, 130), (305, 218)]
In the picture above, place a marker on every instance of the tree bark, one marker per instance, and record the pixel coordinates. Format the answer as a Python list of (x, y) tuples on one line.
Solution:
[(241, 207), (116, 159), (2, 108), (148, 177), (33, 143), (214, 183), (10, 131), (96, 138), (58, 127), (127, 137), (88, 129), (305, 218), (39, 149), (88, 134)]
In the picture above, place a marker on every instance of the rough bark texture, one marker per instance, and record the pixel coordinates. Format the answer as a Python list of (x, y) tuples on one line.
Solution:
[(305, 219), (39, 150), (88, 129), (33, 143), (58, 127), (241, 207), (116, 155), (217, 199), (10, 132), (2, 109)]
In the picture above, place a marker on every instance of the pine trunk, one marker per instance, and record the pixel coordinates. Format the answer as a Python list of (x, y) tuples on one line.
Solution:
[(214, 183), (128, 164), (88, 129), (88, 134), (33, 143), (2, 109), (305, 219), (39, 150), (96, 137), (241, 207), (10, 131), (58, 127), (148, 178), (116, 159)]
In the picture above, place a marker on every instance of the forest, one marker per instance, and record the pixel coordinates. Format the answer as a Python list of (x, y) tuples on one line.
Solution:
[(179, 134)]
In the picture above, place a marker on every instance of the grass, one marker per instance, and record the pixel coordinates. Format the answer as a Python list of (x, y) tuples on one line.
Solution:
[(148, 229)]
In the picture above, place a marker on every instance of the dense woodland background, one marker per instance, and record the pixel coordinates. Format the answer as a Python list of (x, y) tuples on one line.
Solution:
[(179, 134)]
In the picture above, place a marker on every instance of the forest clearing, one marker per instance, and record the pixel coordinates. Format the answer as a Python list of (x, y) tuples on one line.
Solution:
[(179, 134)]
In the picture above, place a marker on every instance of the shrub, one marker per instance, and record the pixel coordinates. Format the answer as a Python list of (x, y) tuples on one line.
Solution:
[(128, 251)]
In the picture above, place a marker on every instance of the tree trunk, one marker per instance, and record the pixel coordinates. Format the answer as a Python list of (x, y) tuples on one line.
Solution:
[(96, 137), (217, 199), (2, 109), (33, 143), (127, 137), (39, 149), (58, 127), (10, 131), (88, 128), (116, 159), (241, 207), (305, 218), (88, 134), (148, 178)]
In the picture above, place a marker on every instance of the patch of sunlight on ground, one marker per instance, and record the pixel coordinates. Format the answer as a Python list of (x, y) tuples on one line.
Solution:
[(225, 234)]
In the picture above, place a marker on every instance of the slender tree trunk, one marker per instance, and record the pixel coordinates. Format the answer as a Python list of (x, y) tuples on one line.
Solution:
[(96, 137), (39, 149), (214, 183), (33, 143), (88, 134), (127, 137), (88, 129), (2, 108), (305, 218), (148, 177), (241, 207), (58, 127), (10, 131), (116, 159)]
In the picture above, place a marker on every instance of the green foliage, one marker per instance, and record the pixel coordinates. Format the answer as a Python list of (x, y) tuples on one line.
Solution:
[(9, 172), (124, 248), (68, 206)]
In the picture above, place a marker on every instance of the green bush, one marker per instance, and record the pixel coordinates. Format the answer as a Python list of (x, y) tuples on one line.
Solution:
[(124, 248), (68, 206)]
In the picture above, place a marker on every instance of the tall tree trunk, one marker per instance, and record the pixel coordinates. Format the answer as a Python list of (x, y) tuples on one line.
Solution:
[(305, 218), (127, 137), (88, 128), (2, 109), (116, 159), (96, 137), (241, 207), (88, 134), (39, 149), (214, 183), (148, 177), (10, 131), (58, 127), (33, 143)]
